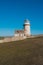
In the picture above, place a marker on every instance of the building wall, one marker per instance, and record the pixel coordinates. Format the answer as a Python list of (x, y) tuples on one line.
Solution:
[(27, 30), (19, 34)]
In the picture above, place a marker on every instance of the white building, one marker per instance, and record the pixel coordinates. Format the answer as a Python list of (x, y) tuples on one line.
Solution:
[(25, 31)]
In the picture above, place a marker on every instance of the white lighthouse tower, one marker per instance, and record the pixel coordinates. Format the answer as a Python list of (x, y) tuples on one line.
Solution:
[(27, 28)]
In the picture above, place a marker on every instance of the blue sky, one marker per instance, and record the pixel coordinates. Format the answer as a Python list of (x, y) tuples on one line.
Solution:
[(14, 12)]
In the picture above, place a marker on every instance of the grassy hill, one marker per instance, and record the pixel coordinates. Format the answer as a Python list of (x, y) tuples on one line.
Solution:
[(26, 52)]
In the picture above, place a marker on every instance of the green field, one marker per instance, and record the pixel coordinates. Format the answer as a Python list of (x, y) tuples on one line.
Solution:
[(25, 52)]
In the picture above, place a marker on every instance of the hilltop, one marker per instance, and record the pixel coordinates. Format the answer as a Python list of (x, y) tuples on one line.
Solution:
[(24, 52)]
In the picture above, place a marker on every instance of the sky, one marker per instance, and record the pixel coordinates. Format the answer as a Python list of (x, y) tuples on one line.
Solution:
[(14, 12)]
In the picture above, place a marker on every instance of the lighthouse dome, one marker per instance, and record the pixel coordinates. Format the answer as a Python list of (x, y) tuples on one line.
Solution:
[(27, 21)]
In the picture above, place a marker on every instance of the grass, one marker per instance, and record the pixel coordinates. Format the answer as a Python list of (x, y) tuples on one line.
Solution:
[(25, 52)]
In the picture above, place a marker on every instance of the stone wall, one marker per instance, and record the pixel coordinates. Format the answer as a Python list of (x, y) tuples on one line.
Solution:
[(8, 39)]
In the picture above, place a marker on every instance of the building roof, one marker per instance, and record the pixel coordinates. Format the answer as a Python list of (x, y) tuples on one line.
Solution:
[(19, 31)]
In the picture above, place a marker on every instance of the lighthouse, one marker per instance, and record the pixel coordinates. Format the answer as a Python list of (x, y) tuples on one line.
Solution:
[(27, 28)]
